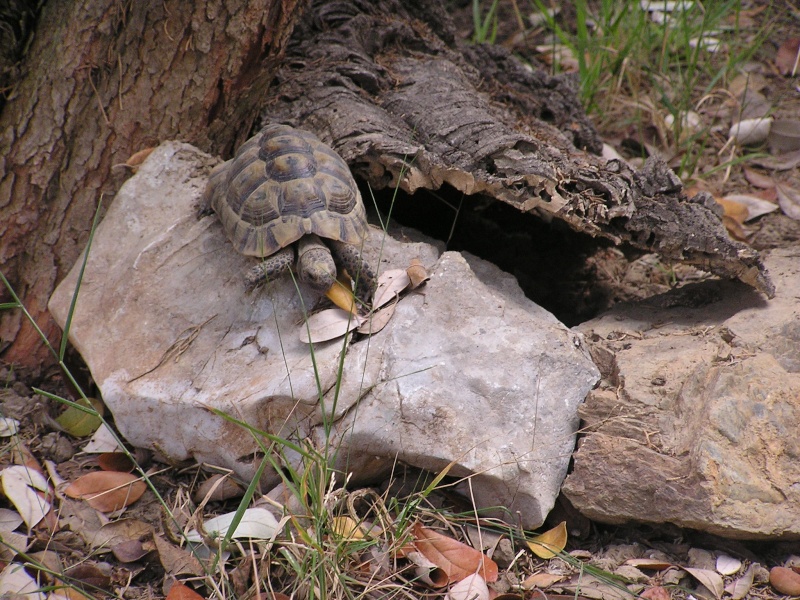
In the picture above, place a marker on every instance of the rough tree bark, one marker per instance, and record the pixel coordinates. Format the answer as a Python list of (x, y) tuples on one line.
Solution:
[(103, 80), (389, 85)]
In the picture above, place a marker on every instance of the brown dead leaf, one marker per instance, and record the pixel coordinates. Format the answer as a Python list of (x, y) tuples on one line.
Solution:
[(734, 228), (754, 206), (740, 588), (648, 563), (785, 581), (390, 284), (787, 57), (175, 560), (783, 162), (456, 559), (115, 461), (137, 158), (656, 593), (541, 581), (711, 579), (378, 319), (328, 325), (179, 591), (733, 210), (107, 491), (550, 543), (758, 179), (217, 488), (417, 273), (789, 201), (90, 575), (130, 551)]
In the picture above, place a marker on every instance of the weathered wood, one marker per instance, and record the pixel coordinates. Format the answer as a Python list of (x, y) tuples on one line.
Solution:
[(393, 91), (103, 80)]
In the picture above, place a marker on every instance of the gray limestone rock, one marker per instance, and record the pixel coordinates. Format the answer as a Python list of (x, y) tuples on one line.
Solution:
[(695, 421), (466, 371)]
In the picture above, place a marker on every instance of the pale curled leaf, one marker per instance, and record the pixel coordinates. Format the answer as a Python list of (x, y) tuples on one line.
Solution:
[(257, 523), (739, 588), (103, 440), (425, 571), (710, 579), (8, 427), (390, 284), (541, 580), (328, 325), (750, 131), (472, 587), (789, 200), (727, 565), (378, 319), (21, 486)]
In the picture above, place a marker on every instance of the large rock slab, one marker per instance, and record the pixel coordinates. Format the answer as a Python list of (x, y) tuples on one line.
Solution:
[(465, 371), (696, 419)]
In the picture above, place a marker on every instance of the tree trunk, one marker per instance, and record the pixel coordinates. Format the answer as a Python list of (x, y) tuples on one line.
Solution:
[(105, 79)]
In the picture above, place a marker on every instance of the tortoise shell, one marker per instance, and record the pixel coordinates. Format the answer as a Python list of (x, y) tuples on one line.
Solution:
[(282, 184)]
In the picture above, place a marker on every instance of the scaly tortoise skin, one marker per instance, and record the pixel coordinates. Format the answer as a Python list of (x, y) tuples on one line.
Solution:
[(289, 199)]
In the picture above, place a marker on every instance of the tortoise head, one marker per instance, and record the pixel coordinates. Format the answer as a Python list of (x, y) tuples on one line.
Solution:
[(315, 265)]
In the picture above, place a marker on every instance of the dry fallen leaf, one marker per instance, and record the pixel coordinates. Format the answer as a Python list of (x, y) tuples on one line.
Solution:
[(425, 571), (417, 273), (541, 581), (456, 559), (750, 131), (107, 491), (328, 325), (708, 578), (115, 461), (648, 563), (784, 136), (550, 543), (174, 559), (789, 201), (727, 565), (178, 591), (347, 528), (741, 587), (758, 179), (787, 57), (656, 593), (390, 284), (378, 319), (217, 488), (733, 210), (754, 206), (472, 587), (137, 158), (23, 486)]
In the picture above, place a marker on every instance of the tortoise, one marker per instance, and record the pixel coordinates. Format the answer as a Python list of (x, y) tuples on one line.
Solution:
[(289, 199)]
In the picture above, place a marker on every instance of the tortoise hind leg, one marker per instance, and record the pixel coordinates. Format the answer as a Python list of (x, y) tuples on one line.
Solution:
[(349, 257), (270, 267)]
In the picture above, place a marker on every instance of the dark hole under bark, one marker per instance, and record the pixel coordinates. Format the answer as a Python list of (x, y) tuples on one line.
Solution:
[(548, 260)]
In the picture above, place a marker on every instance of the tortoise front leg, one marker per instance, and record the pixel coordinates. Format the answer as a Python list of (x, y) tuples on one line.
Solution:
[(270, 267), (349, 257)]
